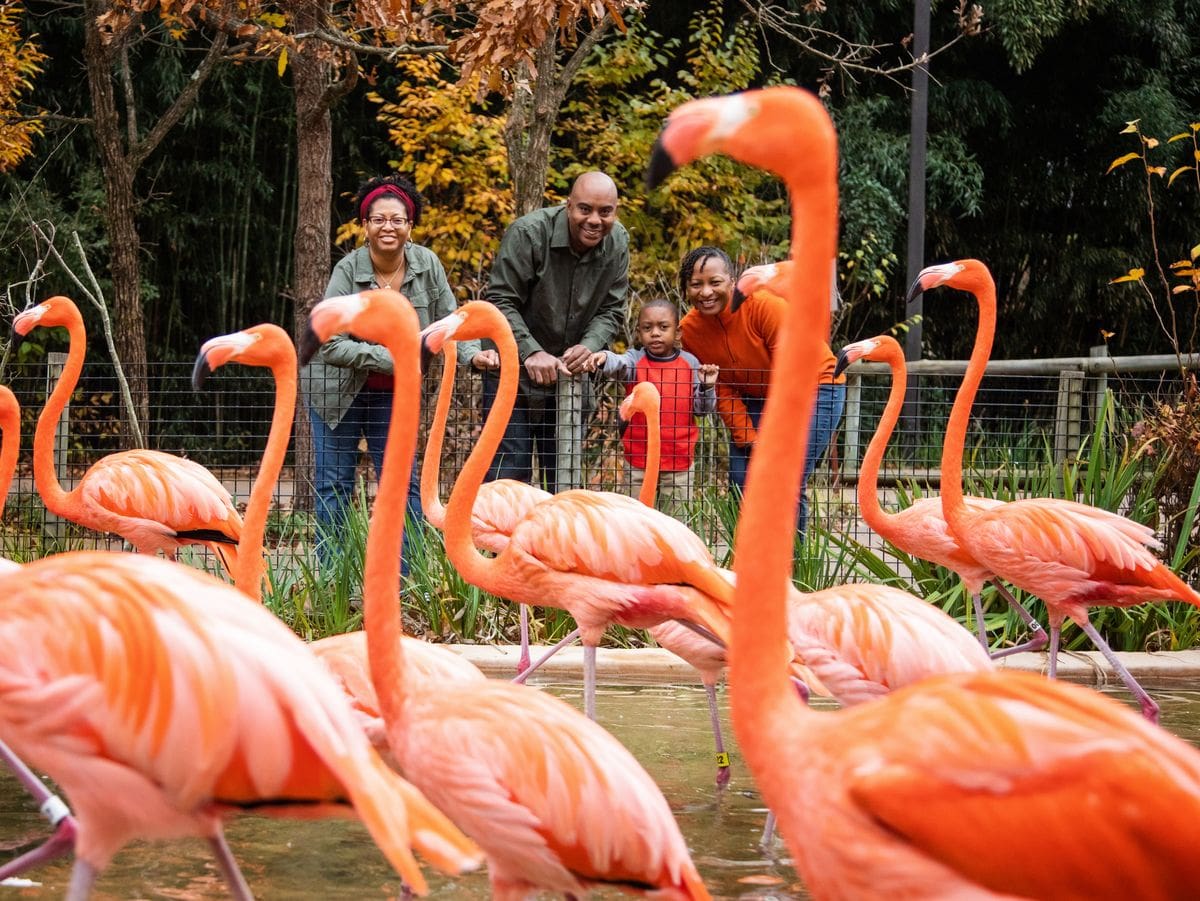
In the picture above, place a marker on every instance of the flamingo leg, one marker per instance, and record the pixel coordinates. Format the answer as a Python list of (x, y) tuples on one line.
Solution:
[(238, 888), (83, 877), (589, 681), (980, 625), (52, 808), (715, 717), (1055, 631), (1148, 705), (768, 833), (1036, 641), (523, 661), (569, 638)]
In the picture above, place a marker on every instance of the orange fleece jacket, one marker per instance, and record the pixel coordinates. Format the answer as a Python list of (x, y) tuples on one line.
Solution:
[(743, 344)]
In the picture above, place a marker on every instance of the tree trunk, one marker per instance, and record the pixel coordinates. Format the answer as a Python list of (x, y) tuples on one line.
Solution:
[(311, 77), (121, 206), (529, 126)]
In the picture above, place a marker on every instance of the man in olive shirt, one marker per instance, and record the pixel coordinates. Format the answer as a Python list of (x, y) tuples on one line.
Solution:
[(560, 277)]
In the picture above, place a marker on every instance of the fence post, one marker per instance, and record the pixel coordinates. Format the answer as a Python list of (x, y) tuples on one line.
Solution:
[(54, 526), (1068, 414), (569, 432), (852, 423), (1099, 382)]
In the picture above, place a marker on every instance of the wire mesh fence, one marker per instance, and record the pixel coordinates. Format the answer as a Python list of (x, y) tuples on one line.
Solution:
[(1020, 421)]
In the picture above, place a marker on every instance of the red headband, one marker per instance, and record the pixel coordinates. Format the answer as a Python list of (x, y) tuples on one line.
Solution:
[(376, 193)]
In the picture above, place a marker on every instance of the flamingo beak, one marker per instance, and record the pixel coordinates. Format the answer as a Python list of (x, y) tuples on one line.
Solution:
[(200, 371), (661, 165), (844, 359), (917, 288), (309, 344)]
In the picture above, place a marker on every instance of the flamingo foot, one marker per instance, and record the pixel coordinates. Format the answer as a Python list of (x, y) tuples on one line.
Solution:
[(723, 772), (61, 843), (1145, 702), (1036, 642)]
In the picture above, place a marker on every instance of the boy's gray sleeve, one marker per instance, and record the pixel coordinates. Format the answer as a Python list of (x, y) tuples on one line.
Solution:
[(621, 366), (704, 397)]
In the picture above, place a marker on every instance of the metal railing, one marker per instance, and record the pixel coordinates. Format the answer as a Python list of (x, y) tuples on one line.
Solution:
[(1025, 409)]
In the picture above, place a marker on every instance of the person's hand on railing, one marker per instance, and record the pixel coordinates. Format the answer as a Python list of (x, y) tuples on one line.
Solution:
[(486, 359), (576, 359), (544, 368)]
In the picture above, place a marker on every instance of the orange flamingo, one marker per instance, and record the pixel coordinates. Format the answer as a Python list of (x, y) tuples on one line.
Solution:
[(930, 791), (50, 805), (1070, 555), (555, 802), (345, 656), (155, 501), (501, 503), (603, 557), (160, 700), (920, 529)]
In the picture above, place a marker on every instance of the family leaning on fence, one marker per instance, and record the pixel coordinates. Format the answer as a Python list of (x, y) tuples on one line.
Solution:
[(561, 278)]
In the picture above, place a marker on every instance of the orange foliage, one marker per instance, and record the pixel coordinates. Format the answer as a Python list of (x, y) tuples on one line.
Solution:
[(20, 60)]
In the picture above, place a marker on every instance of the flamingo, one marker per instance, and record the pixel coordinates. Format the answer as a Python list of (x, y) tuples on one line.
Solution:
[(601, 556), (1071, 555), (51, 806), (930, 791), (160, 700), (345, 655), (153, 500), (501, 504), (920, 529), (555, 802)]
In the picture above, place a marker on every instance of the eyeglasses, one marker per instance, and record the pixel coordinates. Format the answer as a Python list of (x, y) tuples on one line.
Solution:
[(394, 221)]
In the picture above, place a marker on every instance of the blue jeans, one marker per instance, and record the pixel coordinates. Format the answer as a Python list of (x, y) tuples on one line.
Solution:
[(531, 429), (336, 460), (827, 414)]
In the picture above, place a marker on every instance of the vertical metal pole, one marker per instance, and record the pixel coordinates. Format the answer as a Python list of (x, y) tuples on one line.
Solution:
[(916, 203), (569, 431)]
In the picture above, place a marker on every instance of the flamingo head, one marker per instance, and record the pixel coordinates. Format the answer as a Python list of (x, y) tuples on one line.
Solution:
[(783, 129), (879, 348), (55, 311), (773, 277), (967, 275), (10, 410), (474, 319), (370, 315), (264, 345), (643, 398)]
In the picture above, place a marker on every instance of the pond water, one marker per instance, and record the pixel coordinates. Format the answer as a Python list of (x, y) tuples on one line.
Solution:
[(665, 726)]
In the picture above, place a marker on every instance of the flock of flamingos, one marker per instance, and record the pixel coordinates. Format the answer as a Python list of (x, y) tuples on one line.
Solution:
[(161, 700)]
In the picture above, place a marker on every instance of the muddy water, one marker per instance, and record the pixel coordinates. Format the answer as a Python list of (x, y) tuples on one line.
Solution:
[(666, 727)]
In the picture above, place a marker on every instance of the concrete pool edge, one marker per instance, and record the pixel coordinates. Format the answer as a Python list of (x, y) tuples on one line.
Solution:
[(1157, 670)]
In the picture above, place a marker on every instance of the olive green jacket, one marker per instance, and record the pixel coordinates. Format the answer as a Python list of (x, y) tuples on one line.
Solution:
[(553, 297), (340, 368)]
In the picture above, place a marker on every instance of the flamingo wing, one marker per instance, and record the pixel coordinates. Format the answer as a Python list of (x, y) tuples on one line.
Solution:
[(863, 640), (613, 537), (159, 492), (1023, 786), (551, 797), (499, 506), (922, 531), (156, 695)]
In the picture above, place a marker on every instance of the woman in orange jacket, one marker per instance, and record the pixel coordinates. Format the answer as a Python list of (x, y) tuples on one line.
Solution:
[(741, 339)]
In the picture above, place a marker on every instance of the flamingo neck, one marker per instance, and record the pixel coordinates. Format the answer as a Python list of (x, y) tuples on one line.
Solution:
[(649, 491), (765, 707), (10, 447), (252, 565), (953, 506), (45, 476), (431, 464), (483, 572), (868, 475), (381, 572)]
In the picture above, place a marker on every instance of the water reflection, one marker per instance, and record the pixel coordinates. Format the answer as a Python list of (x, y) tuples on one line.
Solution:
[(666, 727)]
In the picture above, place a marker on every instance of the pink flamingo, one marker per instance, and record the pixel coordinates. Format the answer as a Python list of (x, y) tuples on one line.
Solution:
[(345, 656), (603, 557), (155, 501), (555, 802), (501, 503), (1070, 555), (930, 791), (161, 700), (920, 529)]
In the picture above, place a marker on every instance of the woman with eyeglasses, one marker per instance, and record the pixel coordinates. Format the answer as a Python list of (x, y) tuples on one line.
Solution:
[(348, 385)]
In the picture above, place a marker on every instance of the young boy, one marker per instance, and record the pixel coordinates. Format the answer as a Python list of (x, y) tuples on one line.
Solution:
[(688, 389)]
